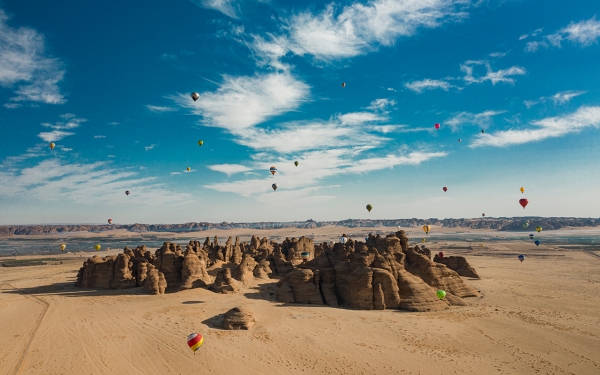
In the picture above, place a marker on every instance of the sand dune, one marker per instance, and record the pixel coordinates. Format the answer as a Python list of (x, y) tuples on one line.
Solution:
[(535, 317)]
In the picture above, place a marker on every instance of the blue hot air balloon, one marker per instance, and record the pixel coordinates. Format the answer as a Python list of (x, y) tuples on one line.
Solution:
[(537, 243), (531, 236), (366, 238), (521, 258), (305, 255)]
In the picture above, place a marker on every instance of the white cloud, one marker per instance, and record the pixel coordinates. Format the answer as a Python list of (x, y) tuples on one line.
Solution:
[(530, 103), (23, 62), (534, 46), (390, 161), (550, 127), (523, 36), (155, 108), (111, 156), (229, 169), (498, 54), (54, 135), (558, 98), (427, 84), (99, 136), (67, 149), (493, 76), (242, 102), (175, 173), (147, 148), (72, 122), (584, 33), (113, 123), (12, 105), (391, 89), (227, 7), (381, 104), (483, 119), (356, 118)]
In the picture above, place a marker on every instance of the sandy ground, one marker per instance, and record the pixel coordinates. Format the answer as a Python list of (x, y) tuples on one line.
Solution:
[(535, 317)]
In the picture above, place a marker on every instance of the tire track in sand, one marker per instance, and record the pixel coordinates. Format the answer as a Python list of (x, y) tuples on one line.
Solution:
[(38, 322)]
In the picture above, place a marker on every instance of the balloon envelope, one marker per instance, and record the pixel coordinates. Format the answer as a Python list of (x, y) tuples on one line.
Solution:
[(445, 189), (52, 146), (195, 341), (426, 228), (274, 186), (537, 243), (531, 236), (523, 202), (343, 239), (343, 84), (110, 221), (459, 140), (522, 189), (441, 254), (305, 255), (200, 142), (483, 131), (521, 257), (97, 246), (440, 294), (369, 207), (437, 126), (483, 215), (188, 169), (63, 247), (195, 96), (423, 240), (539, 229), (127, 192), (525, 225), (273, 170), (296, 163)]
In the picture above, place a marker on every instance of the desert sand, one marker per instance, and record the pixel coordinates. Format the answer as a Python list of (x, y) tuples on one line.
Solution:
[(535, 317)]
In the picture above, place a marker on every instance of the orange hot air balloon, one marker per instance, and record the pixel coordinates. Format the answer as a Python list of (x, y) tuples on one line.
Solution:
[(52, 145)]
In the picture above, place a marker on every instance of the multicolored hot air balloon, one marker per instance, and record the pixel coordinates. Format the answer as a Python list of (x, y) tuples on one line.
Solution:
[(369, 207), (537, 243), (127, 192), (441, 254), (296, 163), (51, 146), (195, 341), (539, 229), (343, 239), (531, 236), (274, 186), (445, 189), (200, 142), (97, 247), (426, 228), (343, 84), (273, 170), (305, 255), (110, 221), (195, 96), (440, 294), (523, 202), (437, 126), (63, 247), (522, 189), (423, 240), (521, 258)]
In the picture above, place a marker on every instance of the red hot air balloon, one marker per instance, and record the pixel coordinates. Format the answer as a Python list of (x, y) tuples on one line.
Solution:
[(445, 189), (110, 221), (437, 126), (523, 202), (441, 254)]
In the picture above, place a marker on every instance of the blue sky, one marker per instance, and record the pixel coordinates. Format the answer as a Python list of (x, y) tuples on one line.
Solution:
[(109, 83)]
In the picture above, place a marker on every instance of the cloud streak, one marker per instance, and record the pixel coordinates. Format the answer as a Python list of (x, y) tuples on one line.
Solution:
[(483, 119), (427, 84)]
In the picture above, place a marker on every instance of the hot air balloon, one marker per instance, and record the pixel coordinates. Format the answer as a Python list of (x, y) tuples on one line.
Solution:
[(481, 245), (97, 247), (200, 142), (110, 221), (63, 247), (441, 254), (483, 131), (459, 140), (423, 240), (539, 229), (537, 243), (426, 228), (274, 186), (127, 192), (296, 163), (521, 258), (437, 126), (273, 170), (483, 214), (195, 96), (522, 189), (525, 225), (343, 84), (523, 202), (188, 169), (343, 239), (195, 341), (531, 236), (305, 255), (51, 146), (366, 238), (369, 207), (440, 294), (445, 189)]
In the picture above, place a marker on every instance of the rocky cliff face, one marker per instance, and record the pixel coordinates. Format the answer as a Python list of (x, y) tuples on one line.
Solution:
[(381, 273), (457, 264)]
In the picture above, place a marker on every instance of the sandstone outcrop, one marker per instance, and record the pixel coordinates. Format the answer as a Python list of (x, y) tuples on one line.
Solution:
[(155, 281), (239, 318), (224, 283), (457, 264)]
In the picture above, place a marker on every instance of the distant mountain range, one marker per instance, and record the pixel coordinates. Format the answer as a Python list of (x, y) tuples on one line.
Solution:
[(501, 223)]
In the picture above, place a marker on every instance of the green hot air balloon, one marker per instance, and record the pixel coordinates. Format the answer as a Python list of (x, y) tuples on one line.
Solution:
[(296, 163), (525, 225), (200, 142), (369, 207), (440, 294), (539, 229)]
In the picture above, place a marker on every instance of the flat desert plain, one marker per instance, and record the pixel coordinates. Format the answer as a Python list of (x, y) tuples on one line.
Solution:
[(536, 317)]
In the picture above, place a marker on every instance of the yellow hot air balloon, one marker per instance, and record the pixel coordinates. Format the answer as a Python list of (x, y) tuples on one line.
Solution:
[(188, 169), (51, 146), (422, 240), (97, 246), (426, 228), (63, 247), (522, 189)]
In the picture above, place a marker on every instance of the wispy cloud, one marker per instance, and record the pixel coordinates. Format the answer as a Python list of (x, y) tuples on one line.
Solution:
[(558, 98), (54, 135), (156, 108), (533, 33), (23, 63), (427, 84), (227, 7), (59, 127), (12, 105), (483, 119), (99, 136), (550, 127), (148, 148), (534, 46), (502, 75), (242, 102), (229, 169), (584, 33), (498, 55)]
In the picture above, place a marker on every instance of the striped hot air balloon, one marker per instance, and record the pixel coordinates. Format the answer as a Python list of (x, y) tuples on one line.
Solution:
[(195, 341)]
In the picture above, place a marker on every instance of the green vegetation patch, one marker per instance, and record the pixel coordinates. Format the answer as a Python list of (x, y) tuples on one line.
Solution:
[(22, 263)]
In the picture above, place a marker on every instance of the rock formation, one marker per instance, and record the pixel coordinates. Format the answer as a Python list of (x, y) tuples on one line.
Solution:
[(457, 264), (224, 283), (239, 318)]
